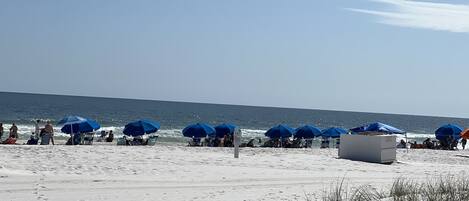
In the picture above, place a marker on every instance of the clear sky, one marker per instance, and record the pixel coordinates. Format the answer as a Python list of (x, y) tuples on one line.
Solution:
[(390, 56)]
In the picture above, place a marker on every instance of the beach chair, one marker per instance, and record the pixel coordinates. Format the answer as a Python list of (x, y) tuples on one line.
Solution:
[(121, 141), (76, 139), (308, 143), (138, 141), (152, 140), (88, 139), (195, 142), (45, 139)]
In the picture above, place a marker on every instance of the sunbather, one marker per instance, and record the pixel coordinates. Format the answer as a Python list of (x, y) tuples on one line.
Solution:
[(402, 144), (110, 137), (13, 135), (194, 142), (427, 143), (228, 140), (33, 139), (325, 143), (75, 139)]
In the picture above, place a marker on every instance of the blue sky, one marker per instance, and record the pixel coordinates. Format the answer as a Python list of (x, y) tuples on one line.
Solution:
[(388, 56)]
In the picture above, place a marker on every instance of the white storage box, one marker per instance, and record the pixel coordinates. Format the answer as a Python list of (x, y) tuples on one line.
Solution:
[(369, 148)]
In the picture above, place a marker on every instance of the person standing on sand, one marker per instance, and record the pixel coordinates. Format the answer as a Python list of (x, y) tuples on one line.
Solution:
[(463, 142), (1, 131), (14, 131), (50, 131), (37, 130)]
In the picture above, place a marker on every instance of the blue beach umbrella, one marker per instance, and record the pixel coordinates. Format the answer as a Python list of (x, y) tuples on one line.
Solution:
[(378, 127), (77, 124), (280, 131), (141, 127), (307, 131), (333, 132), (224, 129), (198, 130), (448, 130)]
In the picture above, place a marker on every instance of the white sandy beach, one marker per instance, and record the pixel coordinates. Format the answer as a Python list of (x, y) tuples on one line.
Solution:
[(172, 172)]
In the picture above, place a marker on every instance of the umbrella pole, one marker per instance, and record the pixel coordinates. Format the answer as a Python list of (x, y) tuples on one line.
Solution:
[(406, 142), (71, 132)]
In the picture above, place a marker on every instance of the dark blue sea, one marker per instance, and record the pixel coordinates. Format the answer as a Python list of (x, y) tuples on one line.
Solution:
[(113, 113)]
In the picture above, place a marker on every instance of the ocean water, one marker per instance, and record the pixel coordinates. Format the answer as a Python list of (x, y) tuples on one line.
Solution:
[(112, 113)]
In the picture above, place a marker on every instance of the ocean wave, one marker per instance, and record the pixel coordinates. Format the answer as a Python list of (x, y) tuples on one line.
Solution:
[(27, 129)]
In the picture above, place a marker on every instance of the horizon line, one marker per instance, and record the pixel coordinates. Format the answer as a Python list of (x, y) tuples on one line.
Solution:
[(225, 104)]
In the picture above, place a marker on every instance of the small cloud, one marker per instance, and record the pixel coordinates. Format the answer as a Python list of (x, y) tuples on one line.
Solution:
[(424, 15)]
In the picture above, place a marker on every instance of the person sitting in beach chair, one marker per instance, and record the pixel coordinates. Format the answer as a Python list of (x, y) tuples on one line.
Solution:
[(268, 143), (216, 142), (194, 142), (110, 137), (325, 143), (428, 144), (138, 140), (75, 139), (295, 143), (228, 141), (33, 139), (402, 144), (102, 136), (308, 143), (250, 143), (13, 135), (454, 145)]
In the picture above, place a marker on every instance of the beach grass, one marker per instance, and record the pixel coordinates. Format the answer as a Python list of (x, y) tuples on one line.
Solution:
[(442, 188)]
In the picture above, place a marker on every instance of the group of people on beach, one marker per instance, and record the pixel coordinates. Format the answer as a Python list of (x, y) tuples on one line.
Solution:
[(226, 141), (46, 134), (448, 143), (12, 137)]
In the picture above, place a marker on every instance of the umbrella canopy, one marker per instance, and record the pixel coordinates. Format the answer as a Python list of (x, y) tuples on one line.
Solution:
[(307, 132), (465, 134), (224, 129), (448, 130), (333, 132), (141, 127), (71, 120), (378, 127), (78, 124), (280, 131), (198, 130)]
